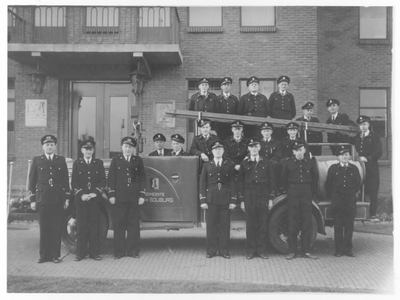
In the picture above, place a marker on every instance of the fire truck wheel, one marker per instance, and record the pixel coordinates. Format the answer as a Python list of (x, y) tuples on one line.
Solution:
[(278, 230), (69, 233)]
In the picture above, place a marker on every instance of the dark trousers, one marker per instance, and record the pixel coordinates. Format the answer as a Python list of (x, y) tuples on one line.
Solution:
[(126, 218), (218, 229), (344, 227), (299, 199), (277, 170), (50, 224), (256, 214), (88, 225), (372, 182)]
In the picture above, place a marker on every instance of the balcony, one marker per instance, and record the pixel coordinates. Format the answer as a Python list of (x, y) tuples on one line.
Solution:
[(112, 34)]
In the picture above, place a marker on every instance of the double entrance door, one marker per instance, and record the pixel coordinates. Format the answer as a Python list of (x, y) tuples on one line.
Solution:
[(104, 112)]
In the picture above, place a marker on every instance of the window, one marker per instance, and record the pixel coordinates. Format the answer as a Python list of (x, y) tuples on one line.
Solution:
[(208, 17), (266, 87), (257, 19), (154, 17), (374, 25), (50, 16), (102, 19), (12, 12), (374, 104), (11, 118)]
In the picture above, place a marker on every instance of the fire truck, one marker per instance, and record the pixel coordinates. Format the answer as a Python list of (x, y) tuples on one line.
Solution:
[(172, 191)]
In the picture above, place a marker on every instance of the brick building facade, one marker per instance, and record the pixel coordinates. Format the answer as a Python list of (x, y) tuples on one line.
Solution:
[(319, 48)]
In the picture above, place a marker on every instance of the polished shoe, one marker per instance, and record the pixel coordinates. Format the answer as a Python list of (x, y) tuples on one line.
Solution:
[(309, 256), (97, 257), (118, 256), (263, 256), (249, 256), (291, 256), (56, 260), (41, 260), (210, 255), (350, 254), (227, 256), (78, 258), (338, 254)]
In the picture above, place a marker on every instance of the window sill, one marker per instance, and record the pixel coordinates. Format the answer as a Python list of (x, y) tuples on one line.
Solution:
[(258, 29), (101, 29), (205, 29), (374, 42)]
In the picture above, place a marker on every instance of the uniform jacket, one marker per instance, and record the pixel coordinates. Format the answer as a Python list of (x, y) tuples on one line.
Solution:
[(167, 152), (370, 146), (235, 151), (127, 180), (181, 153), (282, 107), (87, 179), (201, 145), (217, 184), (296, 171), (256, 173), (250, 105), (48, 180), (228, 106), (272, 149), (200, 103), (342, 184), (337, 137), (312, 136), (287, 147)]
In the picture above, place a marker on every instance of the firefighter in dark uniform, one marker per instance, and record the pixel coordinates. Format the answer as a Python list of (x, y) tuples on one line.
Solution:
[(159, 141), (127, 183), (201, 143), (271, 148), (255, 184), (204, 100), (227, 104), (369, 148), (299, 178), (88, 181), (342, 184), (218, 197), (287, 143), (312, 136), (253, 104), (177, 142), (49, 194), (281, 104), (337, 118)]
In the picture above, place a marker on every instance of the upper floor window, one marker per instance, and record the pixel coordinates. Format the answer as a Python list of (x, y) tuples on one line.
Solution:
[(257, 19), (46, 16), (265, 87), (102, 16), (374, 25), (208, 17), (154, 17), (374, 104)]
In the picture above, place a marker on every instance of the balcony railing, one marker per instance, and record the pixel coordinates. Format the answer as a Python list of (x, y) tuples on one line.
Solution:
[(90, 25)]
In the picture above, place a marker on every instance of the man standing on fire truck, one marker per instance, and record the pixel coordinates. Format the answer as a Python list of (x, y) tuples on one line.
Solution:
[(49, 189)]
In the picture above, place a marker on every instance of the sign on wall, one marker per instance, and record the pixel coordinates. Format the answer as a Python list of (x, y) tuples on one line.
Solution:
[(36, 112), (159, 113)]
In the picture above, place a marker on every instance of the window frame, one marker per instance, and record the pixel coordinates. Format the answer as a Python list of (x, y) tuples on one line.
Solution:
[(376, 41), (262, 28), (206, 29), (386, 157), (102, 28), (11, 148)]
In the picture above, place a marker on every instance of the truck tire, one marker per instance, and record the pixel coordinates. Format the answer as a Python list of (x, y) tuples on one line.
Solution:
[(278, 230), (69, 233)]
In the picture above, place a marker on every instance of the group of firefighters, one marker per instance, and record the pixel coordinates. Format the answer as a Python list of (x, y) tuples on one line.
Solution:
[(248, 167)]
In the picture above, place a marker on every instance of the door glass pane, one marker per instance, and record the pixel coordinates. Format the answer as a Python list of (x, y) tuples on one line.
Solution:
[(373, 98), (118, 123), (86, 120)]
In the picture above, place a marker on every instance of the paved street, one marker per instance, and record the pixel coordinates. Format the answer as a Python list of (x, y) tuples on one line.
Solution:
[(180, 255)]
